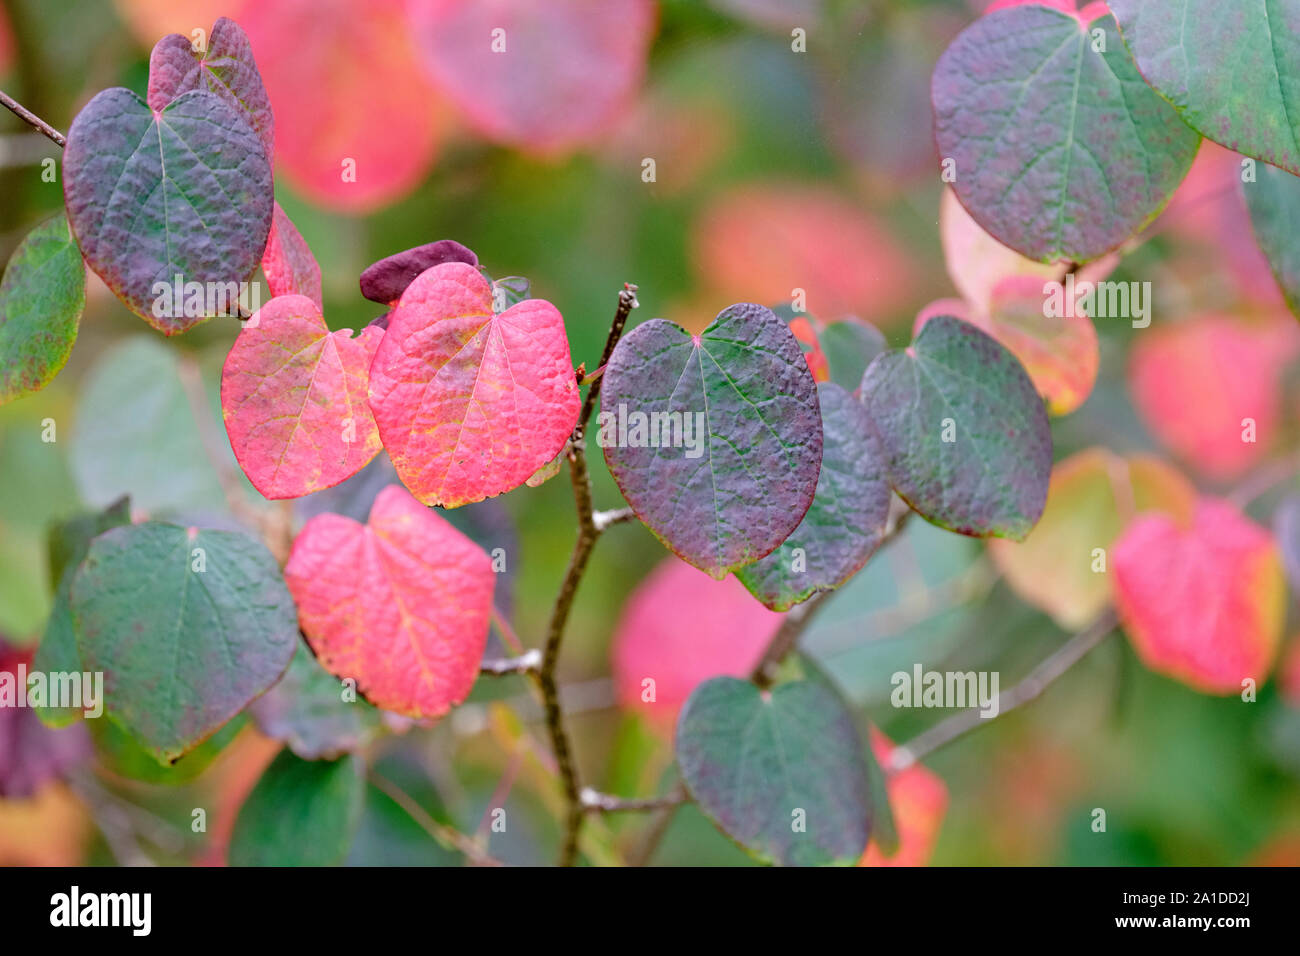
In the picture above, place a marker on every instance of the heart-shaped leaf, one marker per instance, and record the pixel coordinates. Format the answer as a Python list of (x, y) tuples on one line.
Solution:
[(1053, 338), (964, 433), (152, 196), (1094, 495), (226, 67), (470, 403), (41, 298), (385, 281), (308, 711), (1059, 148), (399, 604), (715, 440), (289, 266), (844, 525), (1230, 69), (679, 628), (546, 76), (293, 395), (1204, 604), (782, 772), (301, 813), (1274, 203), (188, 626)]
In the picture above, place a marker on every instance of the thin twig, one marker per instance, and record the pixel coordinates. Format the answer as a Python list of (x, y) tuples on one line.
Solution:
[(449, 838), (1038, 680), (588, 532), (31, 119), (526, 663), (596, 802)]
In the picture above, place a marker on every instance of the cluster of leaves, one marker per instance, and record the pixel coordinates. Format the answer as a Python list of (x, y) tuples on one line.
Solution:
[(1067, 134)]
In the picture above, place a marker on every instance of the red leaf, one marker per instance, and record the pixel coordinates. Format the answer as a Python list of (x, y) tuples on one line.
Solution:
[(289, 266), (1196, 383), (679, 628), (401, 604), (918, 800), (293, 395), (545, 76), (355, 118), (470, 404), (1205, 604)]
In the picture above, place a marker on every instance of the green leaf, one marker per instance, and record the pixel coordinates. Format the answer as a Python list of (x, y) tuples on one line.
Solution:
[(122, 756), (1231, 69), (1274, 204), (964, 433), (850, 345), (151, 196), (135, 431), (68, 542), (715, 440), (844, 526), (782, 772), (301, 813), (188, 626), (1060, 150), (41, 300), (306, 711)]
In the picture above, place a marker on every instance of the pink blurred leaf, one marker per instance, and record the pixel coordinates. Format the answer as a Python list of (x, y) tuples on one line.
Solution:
[(356, 119), (1207, 385), (679, 628), (543, 76)]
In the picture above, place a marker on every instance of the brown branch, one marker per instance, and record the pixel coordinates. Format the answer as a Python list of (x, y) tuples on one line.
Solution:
[(589, 530), (31, 119), (1038, 680)]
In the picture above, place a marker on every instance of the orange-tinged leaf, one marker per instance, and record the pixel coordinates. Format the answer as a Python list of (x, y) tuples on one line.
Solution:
[(758, 243), (356, 120), (469, 403), (293, 396), (400, 604), (289, 266), (51, 828), (1209, 388), (679, 628), (1093, 496), (918, 799), (1059, 352), (803, 330), (1206, 604)]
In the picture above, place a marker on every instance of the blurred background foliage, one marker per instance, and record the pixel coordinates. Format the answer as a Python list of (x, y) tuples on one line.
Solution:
[(774, 170)]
